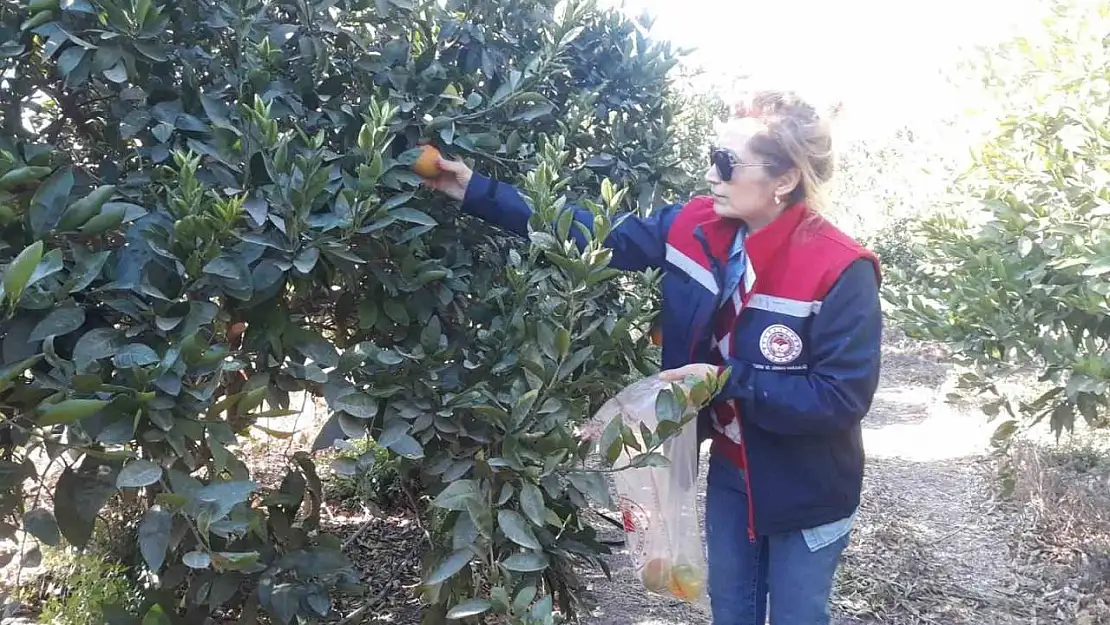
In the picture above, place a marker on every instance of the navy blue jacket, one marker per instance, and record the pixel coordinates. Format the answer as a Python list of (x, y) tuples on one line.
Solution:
[(804, 356)]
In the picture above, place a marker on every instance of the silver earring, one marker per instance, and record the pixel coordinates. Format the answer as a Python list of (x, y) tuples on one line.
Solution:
[(778, 200)]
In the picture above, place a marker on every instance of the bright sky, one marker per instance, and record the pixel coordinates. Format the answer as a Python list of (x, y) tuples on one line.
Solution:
[(883, 58)]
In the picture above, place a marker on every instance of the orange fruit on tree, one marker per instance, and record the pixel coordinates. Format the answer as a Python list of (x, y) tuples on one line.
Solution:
[(686, 582), (427, 164), (656, 575)]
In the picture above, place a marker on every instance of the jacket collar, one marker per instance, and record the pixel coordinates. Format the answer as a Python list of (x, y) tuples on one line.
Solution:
[(764, 244), (716, 234)]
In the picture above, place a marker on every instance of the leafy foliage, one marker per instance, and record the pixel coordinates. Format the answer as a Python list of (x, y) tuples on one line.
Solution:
[(91, 584), (1021, 282), (206, 207)]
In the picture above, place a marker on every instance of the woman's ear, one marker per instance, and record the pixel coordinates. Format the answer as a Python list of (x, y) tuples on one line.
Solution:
[(788, 182)]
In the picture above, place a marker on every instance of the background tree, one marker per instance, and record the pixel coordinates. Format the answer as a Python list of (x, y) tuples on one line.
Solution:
[(1015, 278)]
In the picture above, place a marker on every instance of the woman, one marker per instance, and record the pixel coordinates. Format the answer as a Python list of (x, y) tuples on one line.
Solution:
[(756, 283)]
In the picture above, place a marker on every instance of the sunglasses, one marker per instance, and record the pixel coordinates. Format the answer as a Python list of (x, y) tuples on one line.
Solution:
[(726, 161)]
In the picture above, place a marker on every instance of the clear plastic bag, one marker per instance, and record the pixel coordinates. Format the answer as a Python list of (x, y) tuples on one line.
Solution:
[(658, 503)]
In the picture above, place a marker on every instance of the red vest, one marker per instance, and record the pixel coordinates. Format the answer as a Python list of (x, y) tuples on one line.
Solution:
[(792, 264)]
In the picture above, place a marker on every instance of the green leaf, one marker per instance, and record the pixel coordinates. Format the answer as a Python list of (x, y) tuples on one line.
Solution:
[(154, 537), (429, 336), (392, 432), (87, 271), (516, 529), (450, 566), (345, 465), (414, 216), (593, 485), (51, 263), (652, 459), (50, 201), (156, 616), (358, 405), (531, 501), (611, 438), (59, 322), (96, 344), (227, 492), (286, 601), (666, 406), (117, 73), (628, 437), (398, 200), (577, 360), (666, 429), (456, 494), (389, 357), (135, 355), (19, 271), (525, 562), (524, 405), (470, 607), (224, 267), (138, 473), (408, 447), (40, 523), (9, 372), (546, 338), (306, 259), (68, 411), (542, 610), (1098, 268), (70, 59), (197, 560), (533, 112), (1004, 432), (237, 560), (524, 597), (78, 497), (17, 178), (153, 52), (84, 209), (109, 217)]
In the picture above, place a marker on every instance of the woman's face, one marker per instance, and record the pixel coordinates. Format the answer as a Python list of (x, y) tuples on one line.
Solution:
[(749, 193)]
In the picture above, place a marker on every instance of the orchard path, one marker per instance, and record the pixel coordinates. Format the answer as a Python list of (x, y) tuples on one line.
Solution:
[(929, 547)]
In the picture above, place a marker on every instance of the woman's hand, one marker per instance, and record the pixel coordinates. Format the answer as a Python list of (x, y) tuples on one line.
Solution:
[(698, 371), (452, 180)]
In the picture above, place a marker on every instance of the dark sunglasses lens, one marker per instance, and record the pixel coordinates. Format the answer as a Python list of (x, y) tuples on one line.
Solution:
[(721, 160)]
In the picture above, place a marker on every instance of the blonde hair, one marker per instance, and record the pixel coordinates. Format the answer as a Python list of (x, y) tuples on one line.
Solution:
[(795, 137)]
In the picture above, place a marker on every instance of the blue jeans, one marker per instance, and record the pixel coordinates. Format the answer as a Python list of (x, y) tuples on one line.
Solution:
[(742, 574)]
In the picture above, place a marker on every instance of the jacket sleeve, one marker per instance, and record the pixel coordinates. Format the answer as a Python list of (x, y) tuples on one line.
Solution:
[(637, 242), (836, 392)]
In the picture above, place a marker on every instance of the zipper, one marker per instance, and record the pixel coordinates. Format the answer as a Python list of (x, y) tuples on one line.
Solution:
[(748, 484), (717, 274)]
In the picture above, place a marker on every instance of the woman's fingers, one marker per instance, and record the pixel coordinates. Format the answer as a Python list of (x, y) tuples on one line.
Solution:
[(699, 370)]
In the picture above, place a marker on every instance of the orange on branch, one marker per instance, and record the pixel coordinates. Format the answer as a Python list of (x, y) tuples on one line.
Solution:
[(427, 164)]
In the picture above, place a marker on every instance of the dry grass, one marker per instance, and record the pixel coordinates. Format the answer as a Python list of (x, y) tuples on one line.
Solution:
[(899, 568), (1061, 539)]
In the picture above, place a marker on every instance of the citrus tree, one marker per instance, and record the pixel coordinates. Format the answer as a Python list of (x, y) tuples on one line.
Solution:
[(206, 207), (1016, 279)]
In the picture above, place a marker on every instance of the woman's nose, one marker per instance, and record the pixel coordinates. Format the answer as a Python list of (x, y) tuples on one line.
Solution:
[(711, 175)]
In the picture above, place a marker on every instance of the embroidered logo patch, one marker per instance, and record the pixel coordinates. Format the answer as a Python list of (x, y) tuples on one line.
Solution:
[(780, 345)]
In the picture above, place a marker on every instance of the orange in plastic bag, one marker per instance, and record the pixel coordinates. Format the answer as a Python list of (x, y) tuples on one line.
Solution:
[(658, 503)]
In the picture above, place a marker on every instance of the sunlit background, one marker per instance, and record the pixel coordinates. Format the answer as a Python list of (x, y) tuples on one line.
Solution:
[(886, 61)]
